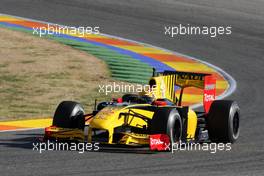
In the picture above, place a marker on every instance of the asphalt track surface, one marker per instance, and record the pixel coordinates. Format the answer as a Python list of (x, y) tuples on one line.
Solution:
[(240, 54)]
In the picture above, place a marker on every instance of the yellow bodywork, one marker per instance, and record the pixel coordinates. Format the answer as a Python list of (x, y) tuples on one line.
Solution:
[(64, 134), (108, 119), (163, 86), (192, 124), (134, 139)]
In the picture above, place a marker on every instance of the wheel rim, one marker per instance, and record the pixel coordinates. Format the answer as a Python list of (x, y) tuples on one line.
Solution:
[(236, 124)]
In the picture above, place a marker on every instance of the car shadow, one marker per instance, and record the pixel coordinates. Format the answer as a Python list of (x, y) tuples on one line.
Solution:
[(28, 140)]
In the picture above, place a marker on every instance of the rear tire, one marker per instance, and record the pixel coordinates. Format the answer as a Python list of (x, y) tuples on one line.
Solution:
[(167, 121), (223, 121), (69, 114)]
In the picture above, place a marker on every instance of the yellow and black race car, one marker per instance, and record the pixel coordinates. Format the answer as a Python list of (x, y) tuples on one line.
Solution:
[(138, 119)]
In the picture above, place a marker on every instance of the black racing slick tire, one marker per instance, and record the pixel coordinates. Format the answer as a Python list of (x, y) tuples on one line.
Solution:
[(167, 121), (69, 114), (223, 121)]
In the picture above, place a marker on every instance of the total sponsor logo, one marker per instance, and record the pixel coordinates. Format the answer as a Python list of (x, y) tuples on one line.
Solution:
[(155, 141), (209, 97), (160, 142)]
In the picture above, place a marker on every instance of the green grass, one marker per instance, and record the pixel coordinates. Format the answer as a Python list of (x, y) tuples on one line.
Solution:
[(28, 61), (3, 65), (10, 78)]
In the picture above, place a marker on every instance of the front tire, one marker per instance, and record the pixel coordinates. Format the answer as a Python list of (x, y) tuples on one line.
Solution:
[(223, 121), (69, 114), (167, 121)]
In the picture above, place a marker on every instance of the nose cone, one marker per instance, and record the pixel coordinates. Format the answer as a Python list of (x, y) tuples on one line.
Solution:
[(107, 118)]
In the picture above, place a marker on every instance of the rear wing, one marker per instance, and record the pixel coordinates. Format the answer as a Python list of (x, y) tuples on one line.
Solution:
[(168, 82)]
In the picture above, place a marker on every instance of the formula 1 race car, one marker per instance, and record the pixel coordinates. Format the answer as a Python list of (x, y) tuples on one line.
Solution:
[(139, 119)]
